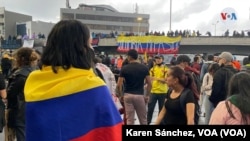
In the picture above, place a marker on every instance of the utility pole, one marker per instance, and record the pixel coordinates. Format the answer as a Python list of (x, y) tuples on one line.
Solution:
[(139, 19), (170, 16), (67, 4), (136, 8), (215, 27)]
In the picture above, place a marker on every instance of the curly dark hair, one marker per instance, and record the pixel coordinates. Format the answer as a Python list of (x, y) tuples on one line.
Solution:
[(25, 56)]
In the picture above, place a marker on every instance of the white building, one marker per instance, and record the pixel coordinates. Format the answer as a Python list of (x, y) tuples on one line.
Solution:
[(13, 24), (16, 24), (8, 22), (104, 19)]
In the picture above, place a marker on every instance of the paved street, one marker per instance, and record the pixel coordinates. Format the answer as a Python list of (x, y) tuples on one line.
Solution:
[(1, 136)]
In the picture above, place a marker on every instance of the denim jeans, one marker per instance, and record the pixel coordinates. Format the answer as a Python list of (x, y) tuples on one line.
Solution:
[(208, 108)]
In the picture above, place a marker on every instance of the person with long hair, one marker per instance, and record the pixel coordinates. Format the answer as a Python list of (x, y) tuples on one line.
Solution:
[(65, 99), (206, 90), (25, 59), (178, 81), (235, 109)]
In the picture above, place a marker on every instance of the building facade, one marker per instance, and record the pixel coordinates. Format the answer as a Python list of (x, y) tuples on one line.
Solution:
[(8, 22), (34, 28), (106, 19), (22, 28)]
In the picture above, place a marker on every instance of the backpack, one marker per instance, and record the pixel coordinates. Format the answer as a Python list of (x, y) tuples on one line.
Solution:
[(197, 81), (183, 105), (228, 76)]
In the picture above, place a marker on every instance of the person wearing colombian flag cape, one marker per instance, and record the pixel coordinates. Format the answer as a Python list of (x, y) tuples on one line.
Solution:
[(65, 99)]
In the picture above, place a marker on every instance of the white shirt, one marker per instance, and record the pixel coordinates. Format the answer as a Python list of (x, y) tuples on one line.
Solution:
[(207, 84)]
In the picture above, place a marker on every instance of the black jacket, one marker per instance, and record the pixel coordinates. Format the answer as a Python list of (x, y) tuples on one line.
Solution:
[(2, 105), (15, 96), (220, 84)]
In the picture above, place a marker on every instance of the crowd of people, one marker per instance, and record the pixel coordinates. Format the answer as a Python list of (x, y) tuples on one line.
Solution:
[(69, 93), (210, 85), (175, 33)]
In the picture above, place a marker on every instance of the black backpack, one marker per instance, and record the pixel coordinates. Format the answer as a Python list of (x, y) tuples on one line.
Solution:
[(228, 75)]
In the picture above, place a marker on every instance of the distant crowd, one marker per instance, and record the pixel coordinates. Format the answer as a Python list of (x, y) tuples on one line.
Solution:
[(184, 33), (24, 37)]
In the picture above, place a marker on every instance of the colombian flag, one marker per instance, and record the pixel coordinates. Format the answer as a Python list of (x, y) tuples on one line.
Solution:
[(72, 105)]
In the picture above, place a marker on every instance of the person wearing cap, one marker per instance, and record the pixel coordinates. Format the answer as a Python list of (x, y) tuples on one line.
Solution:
[(184, 62), (221, 78), (133, 75), (159, 89)]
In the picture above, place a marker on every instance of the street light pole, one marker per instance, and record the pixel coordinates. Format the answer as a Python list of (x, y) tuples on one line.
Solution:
[(139, 19), (215, 27), (170, 16)]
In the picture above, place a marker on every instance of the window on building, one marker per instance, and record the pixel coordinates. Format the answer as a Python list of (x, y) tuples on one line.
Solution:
[(68, 16), (99, 9)]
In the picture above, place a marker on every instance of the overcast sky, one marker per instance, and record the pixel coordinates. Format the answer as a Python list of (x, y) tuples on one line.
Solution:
[(186, 14)]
